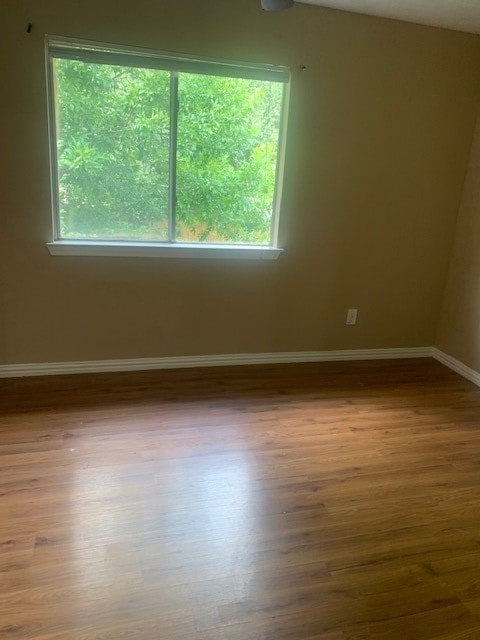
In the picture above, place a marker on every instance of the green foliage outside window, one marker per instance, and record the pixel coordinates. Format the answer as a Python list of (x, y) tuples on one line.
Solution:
[(113, 145)]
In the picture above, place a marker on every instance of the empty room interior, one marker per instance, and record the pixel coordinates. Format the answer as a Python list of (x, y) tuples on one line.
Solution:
[(240, 320)]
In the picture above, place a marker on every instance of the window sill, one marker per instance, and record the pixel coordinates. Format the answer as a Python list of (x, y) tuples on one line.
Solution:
[(159, 250)]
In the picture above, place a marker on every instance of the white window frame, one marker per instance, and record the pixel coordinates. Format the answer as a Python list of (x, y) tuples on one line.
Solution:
[(62, 47)]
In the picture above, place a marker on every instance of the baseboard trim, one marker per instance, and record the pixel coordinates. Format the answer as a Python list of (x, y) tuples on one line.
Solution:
[(183, 362), (456, 365), (233, 359)]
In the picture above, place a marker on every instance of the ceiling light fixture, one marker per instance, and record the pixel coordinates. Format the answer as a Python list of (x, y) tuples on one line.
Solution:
[(276, 5)]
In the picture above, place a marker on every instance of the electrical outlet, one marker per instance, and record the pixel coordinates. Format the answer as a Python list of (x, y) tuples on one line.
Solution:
[(352, 316)]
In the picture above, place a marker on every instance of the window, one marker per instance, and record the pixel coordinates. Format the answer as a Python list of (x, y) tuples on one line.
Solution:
[(154, 151)]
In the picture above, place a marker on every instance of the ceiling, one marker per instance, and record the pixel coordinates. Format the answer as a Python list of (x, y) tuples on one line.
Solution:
[(462, 15)]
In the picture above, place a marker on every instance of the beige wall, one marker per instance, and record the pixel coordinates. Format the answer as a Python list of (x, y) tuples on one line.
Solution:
[(379, 135), (459, 326)]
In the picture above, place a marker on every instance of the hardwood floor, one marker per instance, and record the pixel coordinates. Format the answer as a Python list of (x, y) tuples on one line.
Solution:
[(333, 501)]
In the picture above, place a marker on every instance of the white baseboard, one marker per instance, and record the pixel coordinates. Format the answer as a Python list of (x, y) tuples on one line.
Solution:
[(184, 362), (456, 365), (181, 362)]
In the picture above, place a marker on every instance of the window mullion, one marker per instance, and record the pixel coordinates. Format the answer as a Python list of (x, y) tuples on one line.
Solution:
[(172, 179)]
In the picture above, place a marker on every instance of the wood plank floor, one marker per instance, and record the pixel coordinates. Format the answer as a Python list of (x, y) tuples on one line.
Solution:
[(333, 501)]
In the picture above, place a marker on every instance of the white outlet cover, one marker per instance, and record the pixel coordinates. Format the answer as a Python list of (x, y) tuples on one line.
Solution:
[(352, 316)]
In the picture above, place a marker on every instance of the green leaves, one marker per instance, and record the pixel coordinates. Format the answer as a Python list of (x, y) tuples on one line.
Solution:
[(114, 154), (225, 179)]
